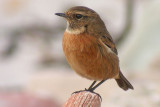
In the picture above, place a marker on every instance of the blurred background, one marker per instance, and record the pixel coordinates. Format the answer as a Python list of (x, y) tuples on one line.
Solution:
[(33, 69)]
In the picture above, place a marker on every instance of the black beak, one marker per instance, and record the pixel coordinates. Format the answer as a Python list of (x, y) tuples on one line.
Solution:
[(61, 14)]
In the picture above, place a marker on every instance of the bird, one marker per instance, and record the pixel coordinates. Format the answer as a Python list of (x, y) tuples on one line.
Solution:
[(90, 49)]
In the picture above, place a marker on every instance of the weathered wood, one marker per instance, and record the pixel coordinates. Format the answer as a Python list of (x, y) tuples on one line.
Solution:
[(83, 99)]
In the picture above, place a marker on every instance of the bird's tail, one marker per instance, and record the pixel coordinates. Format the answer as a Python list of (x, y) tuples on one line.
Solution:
[(123, 82)]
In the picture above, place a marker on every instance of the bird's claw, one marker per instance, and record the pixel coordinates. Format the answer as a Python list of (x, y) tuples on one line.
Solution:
[(90, 90)]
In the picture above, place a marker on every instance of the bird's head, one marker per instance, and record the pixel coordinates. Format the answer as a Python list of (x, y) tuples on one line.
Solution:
[(80, 18)]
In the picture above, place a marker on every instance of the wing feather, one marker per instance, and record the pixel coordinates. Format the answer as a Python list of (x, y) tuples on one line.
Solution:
[(107, 40)]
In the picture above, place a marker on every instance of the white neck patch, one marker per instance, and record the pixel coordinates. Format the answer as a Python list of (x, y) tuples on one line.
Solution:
[(75, 31)]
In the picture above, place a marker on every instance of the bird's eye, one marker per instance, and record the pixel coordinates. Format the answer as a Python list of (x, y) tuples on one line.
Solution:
[(78, 16)]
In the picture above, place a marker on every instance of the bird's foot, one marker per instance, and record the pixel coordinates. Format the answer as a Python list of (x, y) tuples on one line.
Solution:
[(90, 90), (78, 91)]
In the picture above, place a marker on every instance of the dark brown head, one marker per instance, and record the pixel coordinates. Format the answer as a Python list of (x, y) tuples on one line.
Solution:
[(82, 19)]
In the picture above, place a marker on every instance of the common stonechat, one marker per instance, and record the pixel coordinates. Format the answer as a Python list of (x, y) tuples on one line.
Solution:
[(89, 48)]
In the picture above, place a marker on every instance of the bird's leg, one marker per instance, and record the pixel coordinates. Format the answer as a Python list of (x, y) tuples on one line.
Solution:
[(93, 88), (91, 85), (85, 88)]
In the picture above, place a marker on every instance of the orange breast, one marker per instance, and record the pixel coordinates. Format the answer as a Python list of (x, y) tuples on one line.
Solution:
[(85, 57)]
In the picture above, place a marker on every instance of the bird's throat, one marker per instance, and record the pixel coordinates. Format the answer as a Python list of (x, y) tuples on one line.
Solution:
[(75, 31)]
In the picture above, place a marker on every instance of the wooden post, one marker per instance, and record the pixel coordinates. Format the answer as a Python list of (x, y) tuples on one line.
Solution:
[(83, 99)]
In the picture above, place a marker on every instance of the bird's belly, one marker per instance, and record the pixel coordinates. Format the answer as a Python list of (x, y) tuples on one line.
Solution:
[(87, 66), (84, 56)]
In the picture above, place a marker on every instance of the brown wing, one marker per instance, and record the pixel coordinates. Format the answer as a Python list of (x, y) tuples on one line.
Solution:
[(107, 40)]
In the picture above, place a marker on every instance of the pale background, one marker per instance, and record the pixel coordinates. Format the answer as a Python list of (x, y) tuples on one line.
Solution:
[(32, 59)]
